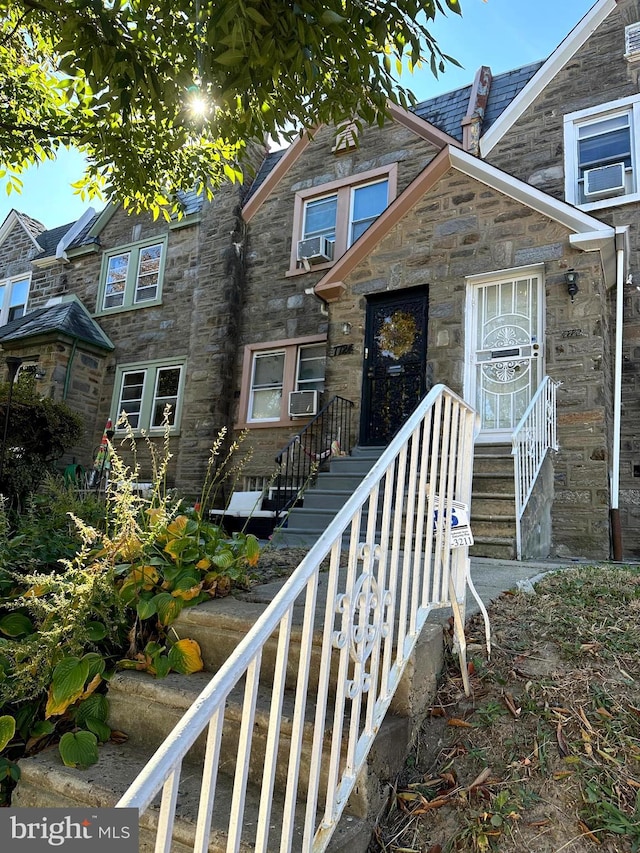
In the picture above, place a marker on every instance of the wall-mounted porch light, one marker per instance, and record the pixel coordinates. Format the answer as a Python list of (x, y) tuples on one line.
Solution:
[(571, 279), (346, 328)]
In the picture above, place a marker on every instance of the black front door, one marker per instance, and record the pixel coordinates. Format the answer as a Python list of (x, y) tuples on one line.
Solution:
[(394, 362)]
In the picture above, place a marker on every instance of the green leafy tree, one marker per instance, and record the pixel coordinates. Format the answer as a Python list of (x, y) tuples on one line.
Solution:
[(167, 95)]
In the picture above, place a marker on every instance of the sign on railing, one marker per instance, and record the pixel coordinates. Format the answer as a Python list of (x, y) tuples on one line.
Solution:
[(460, 527)]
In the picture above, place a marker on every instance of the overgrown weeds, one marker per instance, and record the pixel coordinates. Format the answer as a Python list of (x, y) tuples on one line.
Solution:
[(545, 756), (108, 600)]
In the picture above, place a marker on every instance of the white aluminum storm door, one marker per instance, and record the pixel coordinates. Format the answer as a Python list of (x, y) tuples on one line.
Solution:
[(505, 348)]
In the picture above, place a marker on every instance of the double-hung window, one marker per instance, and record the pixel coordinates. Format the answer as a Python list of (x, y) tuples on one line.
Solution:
[(14, 293), (340, 212), (601, 154), (132, 277), (150, 395), (272, 371)]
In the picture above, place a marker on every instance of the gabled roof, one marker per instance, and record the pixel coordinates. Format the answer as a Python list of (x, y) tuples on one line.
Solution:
[(68, 318), (275, 168), (594, 235), (31, 227), (548, 70)]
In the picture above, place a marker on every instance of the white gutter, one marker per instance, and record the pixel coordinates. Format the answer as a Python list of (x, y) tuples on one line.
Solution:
[(72, 233)]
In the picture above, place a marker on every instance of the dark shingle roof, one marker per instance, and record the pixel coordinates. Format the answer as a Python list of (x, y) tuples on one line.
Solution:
[(269, 163), (504, 89), (191, 201), (49, 239), (447, 111), (70, 318)]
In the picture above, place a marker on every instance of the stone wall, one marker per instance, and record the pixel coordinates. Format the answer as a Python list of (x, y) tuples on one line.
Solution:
[(533, 150), (459, 228), (196, 321), (278, 306)]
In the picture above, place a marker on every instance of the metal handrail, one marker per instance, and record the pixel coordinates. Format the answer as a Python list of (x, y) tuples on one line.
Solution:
[(329, 432), (534, 436), (342, 660)]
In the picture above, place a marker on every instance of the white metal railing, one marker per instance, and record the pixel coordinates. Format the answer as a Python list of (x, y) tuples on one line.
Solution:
[(341, 640), (533, 437)]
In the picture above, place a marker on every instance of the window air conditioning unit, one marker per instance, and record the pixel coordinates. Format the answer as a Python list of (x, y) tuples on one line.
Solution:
[(303, 403), (315, 250), (632, 42), (605, 180)]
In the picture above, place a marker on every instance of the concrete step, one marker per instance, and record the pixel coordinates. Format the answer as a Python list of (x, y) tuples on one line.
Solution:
[(504, 527), (369, 452), (351, 465), (337, 482), (46, 782), (484, 463), (166, 701), (219, 625), (499, 547), (325, 499), (492, 505), (495, 483)]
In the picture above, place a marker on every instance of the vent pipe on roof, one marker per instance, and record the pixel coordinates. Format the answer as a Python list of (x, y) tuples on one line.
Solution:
[(472, 122), (72, 233)]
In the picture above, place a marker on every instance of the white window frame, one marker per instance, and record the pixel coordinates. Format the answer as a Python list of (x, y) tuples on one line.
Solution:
[(151, 371), (130, 298), (624, 106), (5, 304), (344, 191), (291, 349)]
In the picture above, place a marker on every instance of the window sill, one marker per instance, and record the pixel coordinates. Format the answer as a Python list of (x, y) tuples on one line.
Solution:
[(293, 271), (145, 432), (612, 201), (288, 423), (106, 312)]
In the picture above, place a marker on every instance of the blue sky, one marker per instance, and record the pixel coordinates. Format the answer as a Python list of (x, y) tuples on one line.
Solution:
[(503, 34)]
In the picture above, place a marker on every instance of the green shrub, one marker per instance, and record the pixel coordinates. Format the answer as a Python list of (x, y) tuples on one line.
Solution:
[(39, 432)]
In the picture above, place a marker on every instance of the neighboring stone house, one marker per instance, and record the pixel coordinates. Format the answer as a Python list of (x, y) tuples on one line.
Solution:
[(372, 263)]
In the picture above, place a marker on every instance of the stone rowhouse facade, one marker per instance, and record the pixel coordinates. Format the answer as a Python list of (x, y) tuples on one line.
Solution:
[(231, 287)]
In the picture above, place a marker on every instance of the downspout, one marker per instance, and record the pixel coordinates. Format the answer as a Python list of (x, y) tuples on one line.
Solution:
[(67, 378), (622, 239)]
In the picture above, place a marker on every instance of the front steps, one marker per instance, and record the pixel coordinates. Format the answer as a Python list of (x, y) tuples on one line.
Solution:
[(325, 498), (493, 519), (147, 709), (493, 503)]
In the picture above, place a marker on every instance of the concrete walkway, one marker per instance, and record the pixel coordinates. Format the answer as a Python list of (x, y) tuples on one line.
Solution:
[(492, 577)]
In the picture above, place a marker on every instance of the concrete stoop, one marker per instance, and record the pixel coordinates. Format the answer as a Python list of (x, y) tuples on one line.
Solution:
[(147, 709)]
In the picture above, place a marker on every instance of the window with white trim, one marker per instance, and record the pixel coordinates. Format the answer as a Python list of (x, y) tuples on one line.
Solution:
[(340, 212), (601, 154), (14, 293), (132, 277), (272, 371), (150, 394)]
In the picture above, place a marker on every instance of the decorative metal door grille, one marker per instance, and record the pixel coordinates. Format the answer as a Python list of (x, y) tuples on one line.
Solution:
[(507, 353)]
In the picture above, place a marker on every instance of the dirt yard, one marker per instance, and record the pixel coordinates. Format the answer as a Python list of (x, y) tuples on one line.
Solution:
[(545, 754)]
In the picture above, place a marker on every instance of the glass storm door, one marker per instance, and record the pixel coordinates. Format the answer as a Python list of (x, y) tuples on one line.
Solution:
[(507, 357), (394, 376)]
